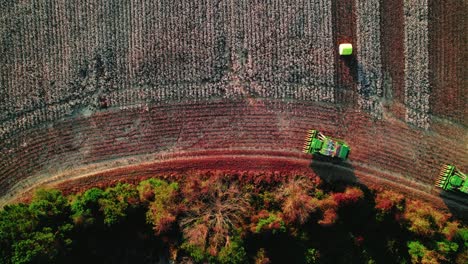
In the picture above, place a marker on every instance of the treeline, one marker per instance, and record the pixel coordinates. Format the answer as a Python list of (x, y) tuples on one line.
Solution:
[(229, 219)]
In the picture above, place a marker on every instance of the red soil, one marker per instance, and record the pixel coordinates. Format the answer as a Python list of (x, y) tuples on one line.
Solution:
[(393, 58)]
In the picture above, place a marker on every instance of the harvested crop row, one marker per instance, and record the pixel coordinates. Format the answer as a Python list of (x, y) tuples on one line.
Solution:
[(393, 58), (447, 36)]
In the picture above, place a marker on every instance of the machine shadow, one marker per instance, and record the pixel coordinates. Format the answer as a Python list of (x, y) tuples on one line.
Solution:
[(337, 175), (358, 217), (457, 204), (333, 171)]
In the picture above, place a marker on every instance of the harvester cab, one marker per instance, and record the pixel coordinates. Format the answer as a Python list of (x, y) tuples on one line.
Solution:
[(451, 179), (317, 143)]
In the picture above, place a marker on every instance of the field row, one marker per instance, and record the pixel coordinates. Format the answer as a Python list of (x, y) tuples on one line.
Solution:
[(368, 50), (417, 90), (289, 43)]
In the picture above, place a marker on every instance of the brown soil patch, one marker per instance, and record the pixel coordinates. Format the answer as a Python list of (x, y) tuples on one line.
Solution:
[(447, 45), (393, 58)]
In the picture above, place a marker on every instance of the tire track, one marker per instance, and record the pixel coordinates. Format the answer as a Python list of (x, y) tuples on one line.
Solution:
[(285, 163)]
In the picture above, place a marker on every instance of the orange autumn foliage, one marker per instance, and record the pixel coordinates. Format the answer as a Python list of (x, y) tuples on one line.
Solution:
[(296, 203), (387, 200), (423, 219)]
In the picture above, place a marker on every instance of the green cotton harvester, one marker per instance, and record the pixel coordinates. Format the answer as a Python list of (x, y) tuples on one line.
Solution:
[(451, 179), (317, 143)]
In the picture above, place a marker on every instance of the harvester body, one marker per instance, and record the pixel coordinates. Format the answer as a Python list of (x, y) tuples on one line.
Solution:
[(317, 143), (451, 179)]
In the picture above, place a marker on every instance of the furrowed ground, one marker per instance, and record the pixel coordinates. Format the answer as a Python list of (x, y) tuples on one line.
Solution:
[(234, 85)]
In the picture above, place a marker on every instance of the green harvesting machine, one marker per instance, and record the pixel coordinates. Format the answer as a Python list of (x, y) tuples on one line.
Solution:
[(451, 179), (317, 143)]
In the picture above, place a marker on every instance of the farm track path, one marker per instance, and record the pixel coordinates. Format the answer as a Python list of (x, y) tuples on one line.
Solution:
[(239, 161)]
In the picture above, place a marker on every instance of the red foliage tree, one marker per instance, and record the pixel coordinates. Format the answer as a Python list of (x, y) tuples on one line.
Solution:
[(214, 207), (296, 203), (422, 219), (349, 196), (385, 201)]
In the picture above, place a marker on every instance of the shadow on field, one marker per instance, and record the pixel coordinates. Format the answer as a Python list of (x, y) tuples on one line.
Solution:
[(333, 170), (357, 236), (457, 203), (360, 76), (352, 63)]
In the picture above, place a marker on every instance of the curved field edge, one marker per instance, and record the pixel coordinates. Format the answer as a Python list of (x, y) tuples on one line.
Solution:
[(246, 163), (118, 137)]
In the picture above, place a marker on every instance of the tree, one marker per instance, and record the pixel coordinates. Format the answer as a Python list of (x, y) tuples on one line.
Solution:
[(349, 196), (50, 207), (296, 203), (416, 250), (43, 246), (266, 221), (312, 256), (328, 206), (214, 208), (261, 257), (423, 220), (16, 221), (38, 233), (163, 207), (86, 207), (233, 252), (116, 202)]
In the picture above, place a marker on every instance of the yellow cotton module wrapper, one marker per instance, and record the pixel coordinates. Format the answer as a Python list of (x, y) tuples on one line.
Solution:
[(346, 49)]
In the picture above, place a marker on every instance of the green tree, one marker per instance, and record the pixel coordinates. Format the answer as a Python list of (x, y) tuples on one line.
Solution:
[(312, 256), (38, 233), (163, 207), (86, 207), (16, 221), (463, 236), (116, 202), (44, 246), (416, 250), (233, 252), (50, 208)]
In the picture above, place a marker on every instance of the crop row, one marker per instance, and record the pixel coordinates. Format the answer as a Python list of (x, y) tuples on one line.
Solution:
[(417, 88), (96, 46), (368, 52), (290, 43), (54, 52), (114, 135)]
